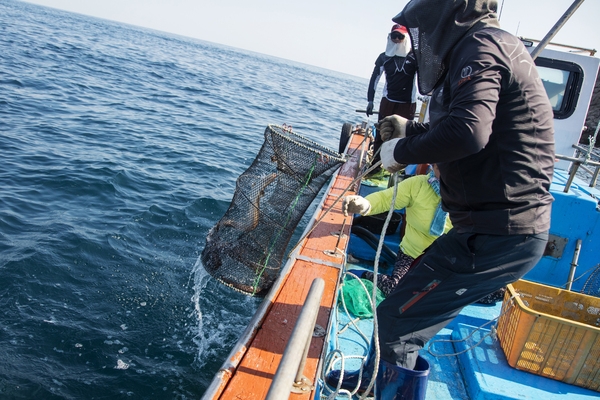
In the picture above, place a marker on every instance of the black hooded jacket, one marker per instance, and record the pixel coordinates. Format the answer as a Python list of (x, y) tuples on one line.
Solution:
[(491, 132)]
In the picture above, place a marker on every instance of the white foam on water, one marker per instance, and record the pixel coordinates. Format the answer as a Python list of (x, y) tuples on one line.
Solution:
[(121, 365), (222, 314), (201, 278)]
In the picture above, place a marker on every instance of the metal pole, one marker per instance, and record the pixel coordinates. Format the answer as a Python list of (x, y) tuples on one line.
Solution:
[(579, 160), (593, 141), (365, 111), (363, 146), (574, 264), (595, 177), (589, 154), (296, 348), (574, 169), (300, 378), (559, 24)]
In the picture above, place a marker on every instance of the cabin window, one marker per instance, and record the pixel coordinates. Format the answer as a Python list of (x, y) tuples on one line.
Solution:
[(562, 81)]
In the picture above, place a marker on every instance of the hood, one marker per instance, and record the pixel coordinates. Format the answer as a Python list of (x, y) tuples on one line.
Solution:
[(435, 27)]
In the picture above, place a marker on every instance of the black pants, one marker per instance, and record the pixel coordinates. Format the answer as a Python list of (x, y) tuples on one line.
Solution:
[(457, 270)]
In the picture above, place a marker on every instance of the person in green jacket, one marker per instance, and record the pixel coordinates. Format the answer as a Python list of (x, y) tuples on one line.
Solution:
[(425, 221)]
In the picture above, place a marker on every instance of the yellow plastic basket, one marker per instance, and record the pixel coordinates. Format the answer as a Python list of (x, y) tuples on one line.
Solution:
[(552, 332)]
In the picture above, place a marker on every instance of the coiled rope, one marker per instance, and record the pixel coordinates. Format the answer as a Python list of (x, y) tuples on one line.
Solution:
[(373, 297)]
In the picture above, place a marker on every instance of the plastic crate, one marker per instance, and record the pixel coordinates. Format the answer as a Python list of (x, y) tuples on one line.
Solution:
[(552, 332)]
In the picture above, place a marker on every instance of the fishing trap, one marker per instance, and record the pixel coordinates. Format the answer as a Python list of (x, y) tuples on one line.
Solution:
[(245, 248)]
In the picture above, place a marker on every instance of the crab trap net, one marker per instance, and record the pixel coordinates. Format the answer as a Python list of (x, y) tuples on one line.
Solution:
[(245, 248)]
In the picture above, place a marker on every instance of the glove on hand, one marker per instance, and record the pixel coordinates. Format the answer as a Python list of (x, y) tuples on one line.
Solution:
[(370, 108), (388, 161), (355, 205), (392, 127)]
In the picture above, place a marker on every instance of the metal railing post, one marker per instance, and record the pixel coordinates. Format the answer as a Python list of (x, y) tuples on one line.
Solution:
[(294, 356), (574, 263), (576, 163)]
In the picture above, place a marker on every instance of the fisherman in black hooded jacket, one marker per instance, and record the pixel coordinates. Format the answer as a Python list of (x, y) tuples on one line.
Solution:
[(491, 133)]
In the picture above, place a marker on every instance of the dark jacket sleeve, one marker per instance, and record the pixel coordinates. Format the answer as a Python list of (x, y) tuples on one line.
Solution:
[(375, 76), (464, 125), (416, 128)]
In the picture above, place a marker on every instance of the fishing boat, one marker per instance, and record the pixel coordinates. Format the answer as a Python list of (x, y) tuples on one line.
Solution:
[(541, 342)]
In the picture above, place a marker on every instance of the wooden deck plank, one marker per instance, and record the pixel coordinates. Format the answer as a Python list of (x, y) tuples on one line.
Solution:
[(253, 377)]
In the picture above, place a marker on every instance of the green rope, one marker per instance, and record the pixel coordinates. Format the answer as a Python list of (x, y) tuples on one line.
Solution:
[(307, 179)]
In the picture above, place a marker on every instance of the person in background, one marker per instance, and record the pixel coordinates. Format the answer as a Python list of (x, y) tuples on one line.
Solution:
[(491, 134), (399, 92), (424, 218)]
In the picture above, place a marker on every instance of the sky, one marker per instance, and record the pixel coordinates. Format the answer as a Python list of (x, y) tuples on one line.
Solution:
[(340, 35)]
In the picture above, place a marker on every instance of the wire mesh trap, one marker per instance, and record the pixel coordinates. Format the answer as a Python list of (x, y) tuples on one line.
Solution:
[(245, 248)]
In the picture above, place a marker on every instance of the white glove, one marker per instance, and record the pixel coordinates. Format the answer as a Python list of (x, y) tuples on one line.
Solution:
[(391, 127), (355, 205), (388, 161)]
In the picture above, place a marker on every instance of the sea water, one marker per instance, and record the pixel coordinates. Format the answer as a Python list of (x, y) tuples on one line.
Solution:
[(120, 150)]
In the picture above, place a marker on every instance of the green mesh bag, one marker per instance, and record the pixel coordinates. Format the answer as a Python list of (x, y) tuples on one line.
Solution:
[(358, 301)]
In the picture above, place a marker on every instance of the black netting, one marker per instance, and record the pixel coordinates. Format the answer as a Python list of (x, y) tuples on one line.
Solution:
[(245, 248), (592, 284)]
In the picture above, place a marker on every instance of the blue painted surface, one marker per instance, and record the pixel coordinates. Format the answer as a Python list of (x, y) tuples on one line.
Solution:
[(489, 377), (575, 216), (363, 251)]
